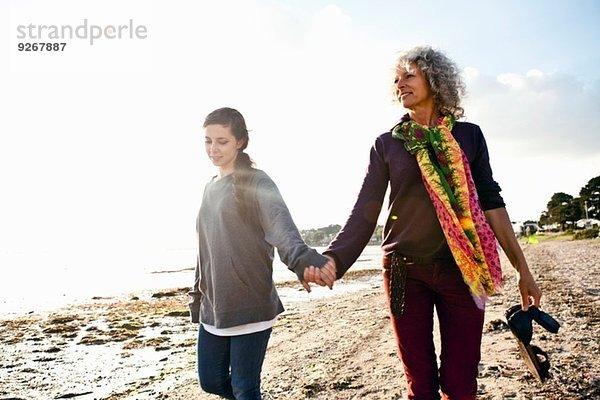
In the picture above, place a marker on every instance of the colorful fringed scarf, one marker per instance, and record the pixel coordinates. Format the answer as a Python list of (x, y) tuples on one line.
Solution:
[(452, 191)]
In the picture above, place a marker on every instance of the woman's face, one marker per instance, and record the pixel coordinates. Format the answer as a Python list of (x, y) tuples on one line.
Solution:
[(412, 89), (221, 147)]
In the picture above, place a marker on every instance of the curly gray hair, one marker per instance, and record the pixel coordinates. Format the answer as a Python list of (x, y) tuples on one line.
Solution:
[(442, 74)]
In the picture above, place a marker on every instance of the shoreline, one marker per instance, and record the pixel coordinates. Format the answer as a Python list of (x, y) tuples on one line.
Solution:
[(26, 298), (335, 345)]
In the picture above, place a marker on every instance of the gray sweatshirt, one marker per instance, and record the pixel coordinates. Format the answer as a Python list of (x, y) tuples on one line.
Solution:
[(236, 257)]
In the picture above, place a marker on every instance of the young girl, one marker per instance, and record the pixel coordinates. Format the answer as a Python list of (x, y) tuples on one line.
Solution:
[(241, 219)]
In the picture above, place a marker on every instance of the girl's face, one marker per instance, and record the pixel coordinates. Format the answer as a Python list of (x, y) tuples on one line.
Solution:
[(412, 89), (221, 147)]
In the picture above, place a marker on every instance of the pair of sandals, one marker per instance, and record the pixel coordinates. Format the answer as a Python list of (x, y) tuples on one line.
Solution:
[(520, 324)]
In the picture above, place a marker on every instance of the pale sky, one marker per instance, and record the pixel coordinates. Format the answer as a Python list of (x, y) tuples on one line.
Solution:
[(101, 146)]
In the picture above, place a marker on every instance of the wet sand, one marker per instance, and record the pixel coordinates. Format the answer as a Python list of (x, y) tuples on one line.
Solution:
[(327, 345)]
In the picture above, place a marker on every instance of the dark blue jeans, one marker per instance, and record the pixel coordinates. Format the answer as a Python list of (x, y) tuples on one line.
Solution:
[(229, 366)]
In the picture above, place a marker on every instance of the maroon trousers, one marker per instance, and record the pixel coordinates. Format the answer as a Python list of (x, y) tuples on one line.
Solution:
[(438, 285)]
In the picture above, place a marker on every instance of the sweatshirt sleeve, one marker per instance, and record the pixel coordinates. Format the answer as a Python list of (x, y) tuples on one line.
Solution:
[(358, 229), (280, 230), (488, 189)]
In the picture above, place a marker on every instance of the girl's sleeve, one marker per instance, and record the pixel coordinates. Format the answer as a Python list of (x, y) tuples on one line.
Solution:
[(281, 231)]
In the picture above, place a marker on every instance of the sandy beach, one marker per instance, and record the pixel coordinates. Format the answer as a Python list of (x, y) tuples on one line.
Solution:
[(338, 346)]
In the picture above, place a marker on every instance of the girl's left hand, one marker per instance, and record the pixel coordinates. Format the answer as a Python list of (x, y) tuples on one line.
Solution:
[(324, 276)]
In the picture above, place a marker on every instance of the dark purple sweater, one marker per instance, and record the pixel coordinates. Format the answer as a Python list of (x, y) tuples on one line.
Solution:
[(411, 226)]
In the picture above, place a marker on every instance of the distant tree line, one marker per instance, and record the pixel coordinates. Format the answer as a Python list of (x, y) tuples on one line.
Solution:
[(323, 236), (565, 210)]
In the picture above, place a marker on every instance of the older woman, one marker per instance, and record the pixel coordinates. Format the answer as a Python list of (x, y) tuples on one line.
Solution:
[(445, 212)]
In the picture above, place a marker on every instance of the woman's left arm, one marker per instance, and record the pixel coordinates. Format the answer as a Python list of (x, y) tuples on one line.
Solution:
[(500, 224), (492, 203)]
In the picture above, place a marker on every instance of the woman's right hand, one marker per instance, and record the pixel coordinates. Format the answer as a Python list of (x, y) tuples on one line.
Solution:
[(528, 289)]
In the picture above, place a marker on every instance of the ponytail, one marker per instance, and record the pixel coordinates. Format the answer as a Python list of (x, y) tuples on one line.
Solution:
[(241, 182), (243, 161)]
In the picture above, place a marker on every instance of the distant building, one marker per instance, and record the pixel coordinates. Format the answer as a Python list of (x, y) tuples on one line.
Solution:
[(588, 223), (525, 228)]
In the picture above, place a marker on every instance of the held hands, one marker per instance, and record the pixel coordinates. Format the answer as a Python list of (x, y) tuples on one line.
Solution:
[(324, 276)]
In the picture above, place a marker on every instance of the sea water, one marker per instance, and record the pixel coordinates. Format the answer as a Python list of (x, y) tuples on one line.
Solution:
[(40, 282)]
